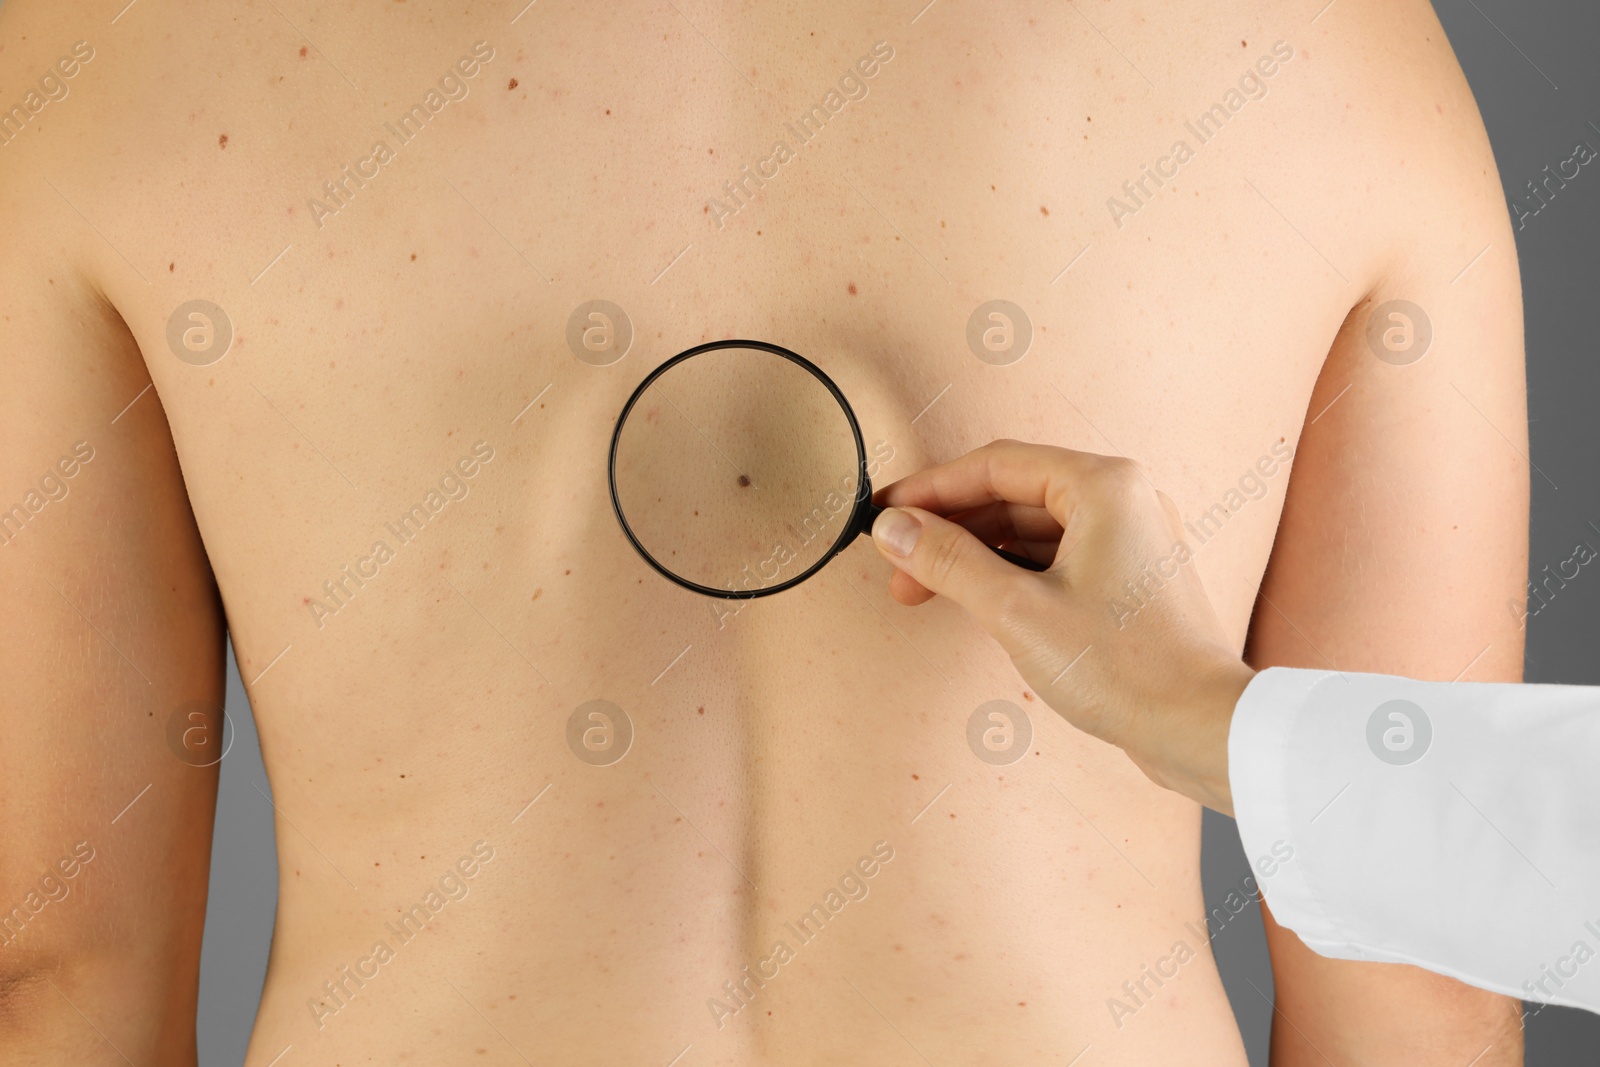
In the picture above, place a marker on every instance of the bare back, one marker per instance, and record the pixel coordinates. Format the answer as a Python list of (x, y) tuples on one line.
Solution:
[(358, 251)]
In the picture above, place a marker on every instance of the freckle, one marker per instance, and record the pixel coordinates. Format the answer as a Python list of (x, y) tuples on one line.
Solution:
[(569, 571), (702, 709), (1244, 44), (222, 142), (1022, 1003), (952, 814), (1026, 695), (608, 111), (537, 593), (413, 257), (706, 210), (852, 288), (512, 84), (914, 777), (302, 51), (1044, 211), (171, 267)]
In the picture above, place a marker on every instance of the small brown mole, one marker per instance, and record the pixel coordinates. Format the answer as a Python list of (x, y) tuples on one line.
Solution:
[(744, 480)]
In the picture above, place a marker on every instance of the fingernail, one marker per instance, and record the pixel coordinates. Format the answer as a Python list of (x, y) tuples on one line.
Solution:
[(896, 532)]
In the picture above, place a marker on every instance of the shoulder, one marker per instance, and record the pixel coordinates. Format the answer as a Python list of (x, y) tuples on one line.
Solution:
[(1388, 104)]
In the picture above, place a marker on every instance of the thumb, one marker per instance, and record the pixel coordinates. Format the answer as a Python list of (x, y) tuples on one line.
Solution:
[(947, 560)]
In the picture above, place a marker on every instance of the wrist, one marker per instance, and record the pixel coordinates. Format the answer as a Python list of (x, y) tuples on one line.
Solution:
[(1185, 742)]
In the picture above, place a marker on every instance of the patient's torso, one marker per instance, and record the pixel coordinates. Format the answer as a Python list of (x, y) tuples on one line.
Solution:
[(405, 213)]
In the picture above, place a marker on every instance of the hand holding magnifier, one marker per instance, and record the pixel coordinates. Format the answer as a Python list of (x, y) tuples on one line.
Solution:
[(738, 470)]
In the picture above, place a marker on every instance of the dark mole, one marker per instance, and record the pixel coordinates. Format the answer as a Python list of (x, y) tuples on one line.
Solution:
[(512, 84), (744, 480), (222, 141)]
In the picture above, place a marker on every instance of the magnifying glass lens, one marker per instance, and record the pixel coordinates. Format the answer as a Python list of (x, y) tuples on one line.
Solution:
[(736, 469)]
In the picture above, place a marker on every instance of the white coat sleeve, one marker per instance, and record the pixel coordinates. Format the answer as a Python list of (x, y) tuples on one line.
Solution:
[(1451, 826)]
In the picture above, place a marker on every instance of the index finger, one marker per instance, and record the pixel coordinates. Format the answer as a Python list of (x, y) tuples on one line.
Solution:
[(1015, 471)]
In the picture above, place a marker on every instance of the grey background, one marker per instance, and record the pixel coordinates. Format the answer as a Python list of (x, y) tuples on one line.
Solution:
[(1534, 70)]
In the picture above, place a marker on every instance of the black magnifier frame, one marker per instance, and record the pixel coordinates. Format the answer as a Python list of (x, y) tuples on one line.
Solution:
[(863, 511)]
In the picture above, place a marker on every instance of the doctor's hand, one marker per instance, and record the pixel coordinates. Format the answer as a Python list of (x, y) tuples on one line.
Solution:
[(1117, 635)]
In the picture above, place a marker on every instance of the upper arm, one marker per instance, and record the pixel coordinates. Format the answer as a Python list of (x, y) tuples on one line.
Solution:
[(110, 626), (1403, 544)]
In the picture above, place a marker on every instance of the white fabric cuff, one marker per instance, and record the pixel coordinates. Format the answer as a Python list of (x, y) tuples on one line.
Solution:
[(1451, 826)]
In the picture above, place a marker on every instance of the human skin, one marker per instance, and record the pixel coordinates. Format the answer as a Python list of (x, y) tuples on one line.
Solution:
[(374, 347), (1161, 685)]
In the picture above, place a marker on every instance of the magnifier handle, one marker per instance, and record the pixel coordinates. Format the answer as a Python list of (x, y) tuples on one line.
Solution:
[(1022, 561), (870, 513)]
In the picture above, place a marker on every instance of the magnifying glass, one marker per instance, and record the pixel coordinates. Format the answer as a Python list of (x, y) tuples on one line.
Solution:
[(738, 471)]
